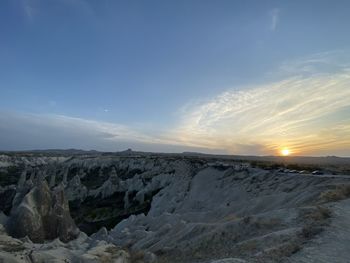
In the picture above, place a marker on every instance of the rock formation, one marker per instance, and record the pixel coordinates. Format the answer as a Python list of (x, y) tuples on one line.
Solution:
[(165, 208), (42, 214), (83, 249), (75, 190)]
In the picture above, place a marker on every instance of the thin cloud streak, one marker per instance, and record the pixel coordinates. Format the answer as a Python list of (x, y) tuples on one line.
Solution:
[(20, 131), (30, 8), (275, 14), (319, 63), (300, 113)]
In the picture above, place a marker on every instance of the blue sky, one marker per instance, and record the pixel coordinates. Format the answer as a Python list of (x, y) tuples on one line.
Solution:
[(155, 75)]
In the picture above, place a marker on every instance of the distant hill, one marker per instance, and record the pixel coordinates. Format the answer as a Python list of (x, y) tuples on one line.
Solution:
[(330, 160), (52, 152)]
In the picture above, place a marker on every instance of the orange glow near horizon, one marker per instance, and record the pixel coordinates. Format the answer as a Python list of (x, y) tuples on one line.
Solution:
[(285, 152)]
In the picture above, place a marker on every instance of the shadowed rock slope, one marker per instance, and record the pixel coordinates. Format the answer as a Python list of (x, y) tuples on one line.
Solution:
[(174, 209)]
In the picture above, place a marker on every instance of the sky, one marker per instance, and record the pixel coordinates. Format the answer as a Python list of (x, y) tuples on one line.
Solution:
[(229, 77)]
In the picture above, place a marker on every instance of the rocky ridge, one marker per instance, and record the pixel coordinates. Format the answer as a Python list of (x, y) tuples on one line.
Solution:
[(170, 209)]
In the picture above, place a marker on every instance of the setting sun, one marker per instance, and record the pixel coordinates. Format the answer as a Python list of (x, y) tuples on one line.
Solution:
[(285, 152)]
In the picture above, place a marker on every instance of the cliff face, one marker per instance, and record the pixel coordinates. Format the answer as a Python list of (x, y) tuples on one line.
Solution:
[(172, 209)]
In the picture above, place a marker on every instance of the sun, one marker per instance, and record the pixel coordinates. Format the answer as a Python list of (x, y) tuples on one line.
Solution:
[(285, 152)]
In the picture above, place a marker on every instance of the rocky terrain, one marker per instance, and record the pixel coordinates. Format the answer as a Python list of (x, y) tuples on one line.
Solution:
[(133, 207)]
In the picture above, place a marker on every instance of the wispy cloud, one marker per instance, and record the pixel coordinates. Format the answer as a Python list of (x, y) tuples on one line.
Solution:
[(38, 131), (73, 125), (30, 8), (302, 113), (322, 62), (274, 16)]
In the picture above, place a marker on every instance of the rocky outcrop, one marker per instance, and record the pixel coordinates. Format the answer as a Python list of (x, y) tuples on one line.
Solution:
[(167, 209), (14, 160), (83, 249), (76, 191), (109, 187), (42, 214)]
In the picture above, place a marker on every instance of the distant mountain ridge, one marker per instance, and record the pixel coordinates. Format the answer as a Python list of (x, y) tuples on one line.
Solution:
[(129, 152)]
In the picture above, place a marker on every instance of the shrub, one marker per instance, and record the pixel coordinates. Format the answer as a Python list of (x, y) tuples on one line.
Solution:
[(321, 213), (311, 230), (339, 193), (315, 219)]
